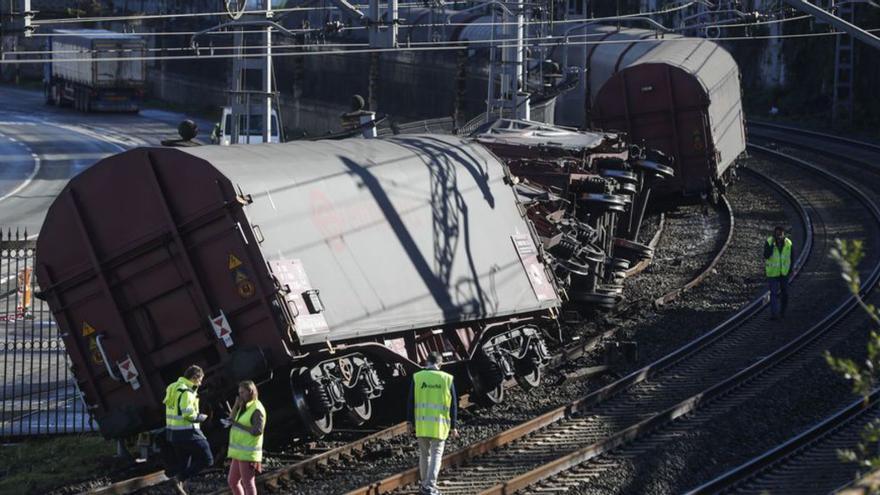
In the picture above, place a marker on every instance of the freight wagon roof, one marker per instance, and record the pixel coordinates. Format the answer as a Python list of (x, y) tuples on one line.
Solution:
[(408, 232), (97, 34), (706, 60)]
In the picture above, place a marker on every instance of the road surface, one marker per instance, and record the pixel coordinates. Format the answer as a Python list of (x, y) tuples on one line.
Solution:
[(42, 147)]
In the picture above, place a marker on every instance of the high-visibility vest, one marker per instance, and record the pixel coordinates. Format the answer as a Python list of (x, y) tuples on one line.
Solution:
[(778, 264), (242, 445), (433, 396), (181, 405)]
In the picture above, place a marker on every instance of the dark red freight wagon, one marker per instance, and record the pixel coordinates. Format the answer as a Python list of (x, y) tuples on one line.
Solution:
[(324, 270), (671, 93)]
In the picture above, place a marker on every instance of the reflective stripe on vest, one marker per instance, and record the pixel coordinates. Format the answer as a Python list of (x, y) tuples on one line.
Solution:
[(242, 445), (779, 263), (175, 416), (433, 396)]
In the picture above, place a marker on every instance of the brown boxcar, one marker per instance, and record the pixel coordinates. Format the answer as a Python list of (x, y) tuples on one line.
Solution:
[(325, 270), (678, 95)]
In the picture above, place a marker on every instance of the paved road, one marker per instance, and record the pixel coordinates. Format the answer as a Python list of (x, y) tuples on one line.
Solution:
[(61, 143)]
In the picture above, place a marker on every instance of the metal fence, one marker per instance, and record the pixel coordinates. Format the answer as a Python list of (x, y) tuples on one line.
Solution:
[(39, 395)]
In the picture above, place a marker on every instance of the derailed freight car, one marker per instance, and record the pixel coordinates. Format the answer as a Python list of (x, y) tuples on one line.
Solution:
[(327, 270), (668, 92), (324, 270)]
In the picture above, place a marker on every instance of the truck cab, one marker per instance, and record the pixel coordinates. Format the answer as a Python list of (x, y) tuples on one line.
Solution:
[(250, 129)]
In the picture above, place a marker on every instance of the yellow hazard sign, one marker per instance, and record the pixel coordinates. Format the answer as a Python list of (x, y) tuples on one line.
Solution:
[(234, 262), (95, 353), (87, 329)]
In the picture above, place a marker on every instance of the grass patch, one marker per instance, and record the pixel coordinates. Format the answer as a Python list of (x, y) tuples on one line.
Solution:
[(38, 465)]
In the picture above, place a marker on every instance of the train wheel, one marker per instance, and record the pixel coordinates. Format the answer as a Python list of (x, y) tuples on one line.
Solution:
[(492, 397), (488, 379), (659, 171), (607, 300), (360, 414), (359, 407), (604, 202), (311, 403), (528, 374)]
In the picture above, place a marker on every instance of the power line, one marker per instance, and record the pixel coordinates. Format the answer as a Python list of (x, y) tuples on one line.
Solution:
[(759, 23), (142, 17), (452, 46), (297, 46), (674, 8), (667, 10)]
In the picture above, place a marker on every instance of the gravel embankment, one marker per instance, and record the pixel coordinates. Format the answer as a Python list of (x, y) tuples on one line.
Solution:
[(704, 445)]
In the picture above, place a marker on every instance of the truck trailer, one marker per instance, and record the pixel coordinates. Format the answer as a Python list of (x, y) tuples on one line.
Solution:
[(95, 70)]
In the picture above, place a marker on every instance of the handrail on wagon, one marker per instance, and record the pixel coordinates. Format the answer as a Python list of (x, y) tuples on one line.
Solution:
[(104, 357)]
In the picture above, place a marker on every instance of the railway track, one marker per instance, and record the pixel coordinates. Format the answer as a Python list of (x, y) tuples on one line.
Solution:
[(305, 466), (807, 463), (558, 441), (674, 294), (787, 373), (810, 139)]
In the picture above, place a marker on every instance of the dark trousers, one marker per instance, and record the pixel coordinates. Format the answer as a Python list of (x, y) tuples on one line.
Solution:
[(192, 456), (778, 295)]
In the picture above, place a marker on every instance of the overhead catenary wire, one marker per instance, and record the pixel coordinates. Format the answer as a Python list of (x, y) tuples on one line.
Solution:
[(451, 47), (144, 17), (262, 48), (323, 45), (666, 10), (760, 23)]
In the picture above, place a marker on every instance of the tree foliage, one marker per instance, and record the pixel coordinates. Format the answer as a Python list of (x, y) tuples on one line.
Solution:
[(863, 375)]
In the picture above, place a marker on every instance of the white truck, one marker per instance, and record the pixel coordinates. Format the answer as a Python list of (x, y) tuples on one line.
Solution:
[(250, 130), (90, 70)]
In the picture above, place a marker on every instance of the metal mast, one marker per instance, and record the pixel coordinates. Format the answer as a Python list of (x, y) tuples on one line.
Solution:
[(844, 70), (241, 99), (510, 97)]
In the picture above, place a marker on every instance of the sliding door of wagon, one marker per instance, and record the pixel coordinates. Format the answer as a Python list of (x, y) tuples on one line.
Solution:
[(662, 108)]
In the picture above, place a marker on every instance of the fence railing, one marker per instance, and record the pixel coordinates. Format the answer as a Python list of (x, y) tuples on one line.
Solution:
[(39, 395)]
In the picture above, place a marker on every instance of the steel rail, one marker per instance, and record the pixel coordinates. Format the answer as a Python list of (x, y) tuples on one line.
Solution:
[(865, 145), (645, 263), (303, 467), (675, 293), (506, 437), (723, 388), (792, 447), (130, 485), (795, 446)]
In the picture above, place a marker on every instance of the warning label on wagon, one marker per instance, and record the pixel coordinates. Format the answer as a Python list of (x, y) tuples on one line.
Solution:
[(528, 255), (308, 316)]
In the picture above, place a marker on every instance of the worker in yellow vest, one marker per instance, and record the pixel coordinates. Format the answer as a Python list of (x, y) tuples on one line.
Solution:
[(246, 424), (432, 410), (777, 266), (182, 420)]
